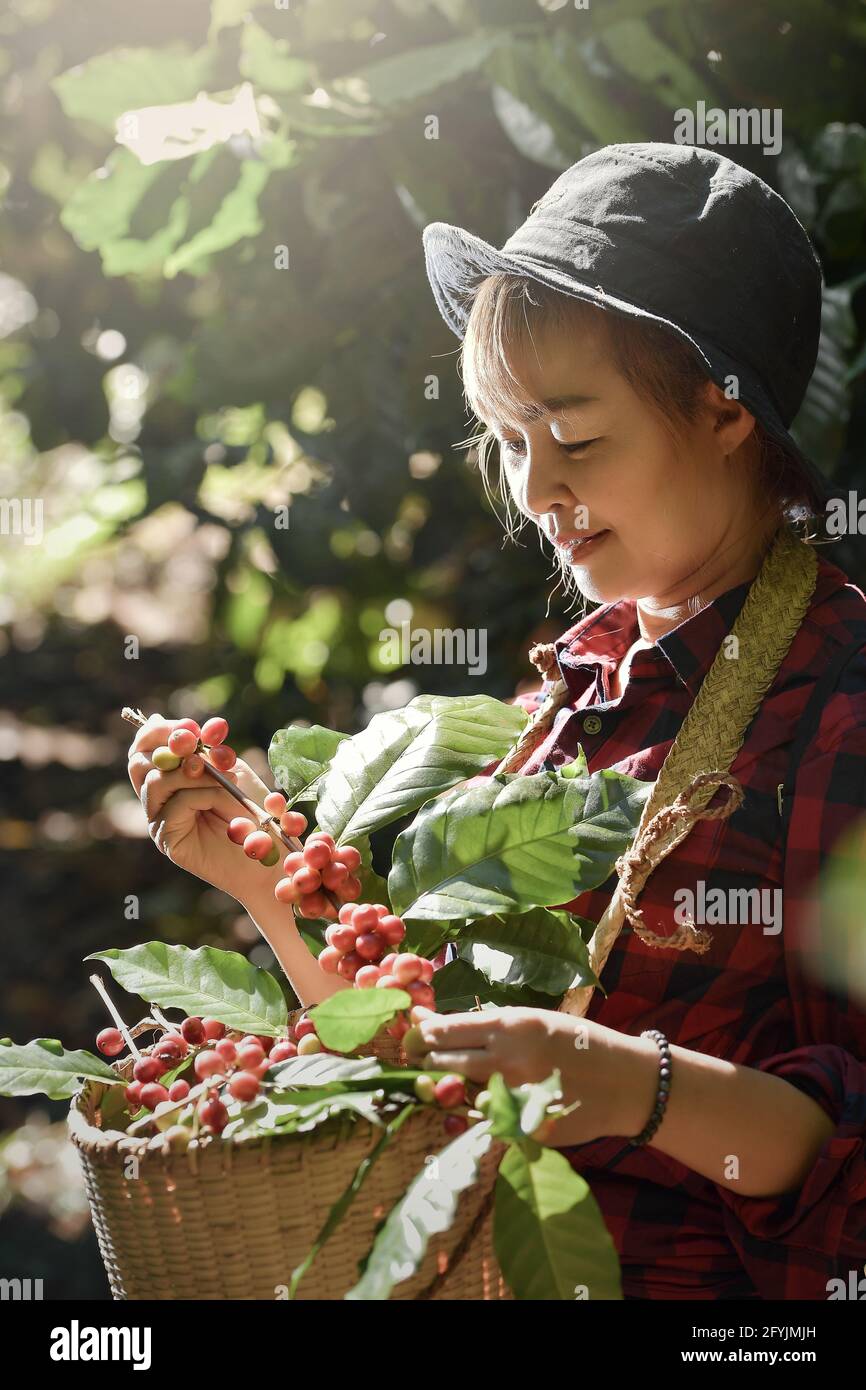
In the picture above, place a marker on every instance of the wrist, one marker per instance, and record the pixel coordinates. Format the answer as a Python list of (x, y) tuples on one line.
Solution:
[(637, 1089)]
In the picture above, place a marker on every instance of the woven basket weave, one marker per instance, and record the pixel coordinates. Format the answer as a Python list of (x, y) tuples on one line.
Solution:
[(230, 1219)]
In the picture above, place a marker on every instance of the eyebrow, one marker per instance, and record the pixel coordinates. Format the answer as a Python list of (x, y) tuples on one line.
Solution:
[(554, 403)]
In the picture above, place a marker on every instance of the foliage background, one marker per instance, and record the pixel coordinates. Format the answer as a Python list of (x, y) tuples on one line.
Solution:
[(164, 387)]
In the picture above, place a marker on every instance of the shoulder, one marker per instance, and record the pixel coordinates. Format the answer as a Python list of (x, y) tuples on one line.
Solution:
[(829, 654)]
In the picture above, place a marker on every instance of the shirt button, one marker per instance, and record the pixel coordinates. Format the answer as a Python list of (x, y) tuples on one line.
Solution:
[(591, 724)]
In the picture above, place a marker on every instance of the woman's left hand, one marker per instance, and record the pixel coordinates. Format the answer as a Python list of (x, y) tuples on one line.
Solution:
[(611, 1074)]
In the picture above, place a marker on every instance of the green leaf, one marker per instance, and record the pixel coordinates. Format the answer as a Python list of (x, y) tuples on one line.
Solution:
[(101, 208), (345, 1200), (268, 63), (527, 115), (637, 51), (457, 984), (428, 1208), (236, 217), (228, 14), (515, 1112), (539, 949), (550, 1239), (321, 1069), (530, 841), (299, 756), (217, 984), (35, 1067), (126, 79), (404, 757), (416, 72), (352, 1017), (565, 75)]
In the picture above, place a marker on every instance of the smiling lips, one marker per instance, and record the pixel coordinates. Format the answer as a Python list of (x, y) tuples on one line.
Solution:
[(577, 540)]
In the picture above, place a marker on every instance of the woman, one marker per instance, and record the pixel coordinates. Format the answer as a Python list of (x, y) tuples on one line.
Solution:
[(638, 348)]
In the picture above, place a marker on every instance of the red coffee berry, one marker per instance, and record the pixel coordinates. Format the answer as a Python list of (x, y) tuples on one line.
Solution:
[(348, 855), (152, 1094), (192, 1029), (226, 1050), (250, 1055), (178, 1090), (334, 874), (450, 1091), (293, 823), (344, 916), (370, 946), (329, 959), (365, 918), (454, 1125), (350, 965), (407, 968), (244, 1085), (367, 976), (223, 757), (386, 964), (213, 1028), (275, 803), (381, 909), (313, 905), (421, 994), (391, 929), (340, 935), (208, 1064), (265, 1041), (214, 731), (148, 1069), (214, 1115), (283, 1052), (399, 1028), (258, 844), (316, 854), (133, 1094), (110, 1042), (239, 828), (426, 971), (171, 1046), (183, 742), (388, 982), (189, 724), (349, 890), (307, 879), (285, 891), (293, 861), (303, 1028)]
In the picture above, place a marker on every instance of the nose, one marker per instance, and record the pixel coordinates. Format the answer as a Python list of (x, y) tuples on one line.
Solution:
[(545, 477)]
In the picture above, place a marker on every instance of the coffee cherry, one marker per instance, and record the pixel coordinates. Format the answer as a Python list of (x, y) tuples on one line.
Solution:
[(239, 828), (425, 1086), (178, 1090), (406, 969), (283, 1052), (213, 1028), (133, 1095), (110, 1042), (344, 916), (391, 929), (275, 803), (214, 1115), (454, 1125), (214, 731), (350, 965), (192, 1029), (350, 889), (293, 861), (208, 1064), (223, 757), (164, 759), (329, 960), (315, 906), (426, 971), (334, 875), (370, 946), (226, 1050), (341, 936), (285, 891), (399, 1028), (388, 982), (308, 1045), (264, 1044), (293, 823), (307, 879), (258, 845), (365, 918), (171, 1046), (189, 724), (386, 964), (367, 977), (317, 854), (348, 855), (451, 1091), (250, 1055), (421, 993), (153, 1094), (177, 1138), (303, 1028), (244, 1085), (182, 742), (148, 1069)]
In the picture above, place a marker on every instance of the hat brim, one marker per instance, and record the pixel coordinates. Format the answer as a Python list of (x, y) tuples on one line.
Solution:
[(457, 261)]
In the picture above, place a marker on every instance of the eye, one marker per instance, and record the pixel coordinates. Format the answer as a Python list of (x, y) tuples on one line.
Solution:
[(516, 448)]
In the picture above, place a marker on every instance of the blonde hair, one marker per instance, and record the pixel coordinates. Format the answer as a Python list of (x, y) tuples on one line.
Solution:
[(662, 368)]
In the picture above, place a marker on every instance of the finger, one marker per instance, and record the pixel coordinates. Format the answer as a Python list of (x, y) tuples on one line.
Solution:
[(158, 788), (477, 1065), (152, 734), (458, 1030), (182, 815)]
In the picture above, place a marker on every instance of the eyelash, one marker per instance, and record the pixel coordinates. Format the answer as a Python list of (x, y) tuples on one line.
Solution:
[(507, 446)]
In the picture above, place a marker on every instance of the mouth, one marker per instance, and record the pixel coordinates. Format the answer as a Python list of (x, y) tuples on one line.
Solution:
[(574, 545)]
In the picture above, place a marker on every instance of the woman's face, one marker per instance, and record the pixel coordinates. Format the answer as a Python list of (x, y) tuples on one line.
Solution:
[(605, 463)]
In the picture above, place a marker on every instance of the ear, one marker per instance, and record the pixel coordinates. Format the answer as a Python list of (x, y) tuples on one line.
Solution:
[(727, 419)]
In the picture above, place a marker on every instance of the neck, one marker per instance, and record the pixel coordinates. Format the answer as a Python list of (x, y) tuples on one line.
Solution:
[(728, 567)]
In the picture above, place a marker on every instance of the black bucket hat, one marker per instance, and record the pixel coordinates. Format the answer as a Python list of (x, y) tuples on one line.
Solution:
[(679, 235)]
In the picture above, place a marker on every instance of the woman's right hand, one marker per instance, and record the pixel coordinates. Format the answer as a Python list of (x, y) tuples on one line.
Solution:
[(187, 818)]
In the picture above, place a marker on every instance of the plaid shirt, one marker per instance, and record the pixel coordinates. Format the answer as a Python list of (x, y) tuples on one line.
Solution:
[(748, 998)]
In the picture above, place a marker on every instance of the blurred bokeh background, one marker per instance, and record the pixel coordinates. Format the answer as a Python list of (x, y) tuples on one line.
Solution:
[(223, 373)]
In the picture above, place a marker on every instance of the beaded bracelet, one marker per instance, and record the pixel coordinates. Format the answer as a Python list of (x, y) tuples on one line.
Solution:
[(657, 1115)]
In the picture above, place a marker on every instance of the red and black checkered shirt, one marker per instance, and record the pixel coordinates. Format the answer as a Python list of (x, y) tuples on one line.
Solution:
[(751, 998)]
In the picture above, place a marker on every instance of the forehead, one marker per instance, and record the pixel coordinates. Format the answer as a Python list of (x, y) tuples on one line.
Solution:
[(541, 378)]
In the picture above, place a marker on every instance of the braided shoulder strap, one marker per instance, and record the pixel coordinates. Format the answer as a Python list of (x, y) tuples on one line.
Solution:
[(710, 738)]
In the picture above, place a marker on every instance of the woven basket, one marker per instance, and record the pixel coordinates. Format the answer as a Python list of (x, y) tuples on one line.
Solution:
[(232, 1219)]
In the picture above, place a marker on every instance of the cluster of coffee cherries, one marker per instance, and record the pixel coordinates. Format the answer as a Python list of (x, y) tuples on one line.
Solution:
[(186, 742), (359, 948), (217, 1056), (320, 867)]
